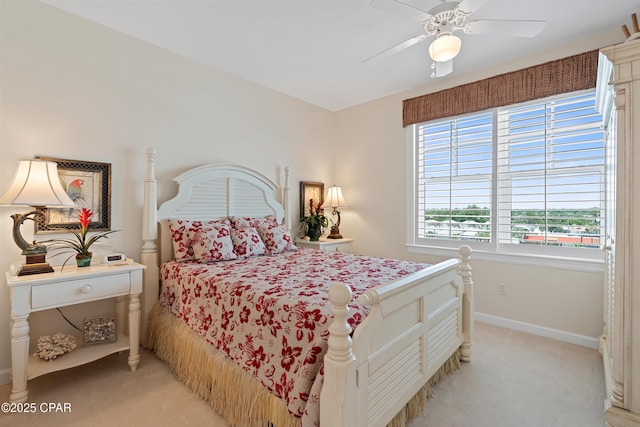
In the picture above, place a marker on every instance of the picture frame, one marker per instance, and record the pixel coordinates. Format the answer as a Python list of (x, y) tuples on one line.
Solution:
[(310, 190), (88, 184)]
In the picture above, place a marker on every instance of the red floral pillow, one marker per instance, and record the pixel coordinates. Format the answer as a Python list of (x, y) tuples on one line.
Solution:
[(247, 242), (243, 222), (213, 243), (180, 230), (277, 239)]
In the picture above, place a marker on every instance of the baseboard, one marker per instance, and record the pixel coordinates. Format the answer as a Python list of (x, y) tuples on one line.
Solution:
[(542, 331), (5, 376), (616, 417)]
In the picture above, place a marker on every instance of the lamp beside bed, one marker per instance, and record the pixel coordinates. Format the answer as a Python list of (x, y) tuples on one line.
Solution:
[(37, 184), (335, 200)]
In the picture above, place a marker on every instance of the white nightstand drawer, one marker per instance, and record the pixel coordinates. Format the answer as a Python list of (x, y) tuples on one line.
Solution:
[(337, 247), (76, 291), (328, 245)]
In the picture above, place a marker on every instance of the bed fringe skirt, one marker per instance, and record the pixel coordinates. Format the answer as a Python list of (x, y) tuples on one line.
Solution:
[(234, 394)]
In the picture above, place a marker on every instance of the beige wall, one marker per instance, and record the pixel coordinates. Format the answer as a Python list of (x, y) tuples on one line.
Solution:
[(74, 90), (71, 89)]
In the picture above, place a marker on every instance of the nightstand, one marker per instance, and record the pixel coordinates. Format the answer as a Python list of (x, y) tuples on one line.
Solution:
[(329, 245), (71, 286)]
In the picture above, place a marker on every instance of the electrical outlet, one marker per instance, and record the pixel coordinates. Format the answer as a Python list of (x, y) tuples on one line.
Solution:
[(502, 289)]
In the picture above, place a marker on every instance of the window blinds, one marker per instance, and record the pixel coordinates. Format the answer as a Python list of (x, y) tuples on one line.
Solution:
[(526, 174), (455, 170), (551, 173)]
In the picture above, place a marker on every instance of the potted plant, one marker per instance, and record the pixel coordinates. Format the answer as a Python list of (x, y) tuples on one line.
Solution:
[(315, 222), (80, 246)]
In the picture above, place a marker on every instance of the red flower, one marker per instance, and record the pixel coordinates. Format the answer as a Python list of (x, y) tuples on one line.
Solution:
[(85, 219), (311, 357), (288, 354), (284, 387), (315, 218), (244, 314), (258, 356)]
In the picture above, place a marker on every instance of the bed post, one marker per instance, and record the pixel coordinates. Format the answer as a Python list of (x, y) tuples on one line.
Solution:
[(149, 255), (285, 199), (464, 270), (339, 387)]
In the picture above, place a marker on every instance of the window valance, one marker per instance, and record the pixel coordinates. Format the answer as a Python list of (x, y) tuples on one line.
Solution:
[(570, 74)]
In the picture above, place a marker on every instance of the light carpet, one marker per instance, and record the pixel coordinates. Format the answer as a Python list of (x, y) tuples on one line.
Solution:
[(514, 380)]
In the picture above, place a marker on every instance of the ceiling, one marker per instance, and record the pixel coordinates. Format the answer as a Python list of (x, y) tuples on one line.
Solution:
[(314, 50)]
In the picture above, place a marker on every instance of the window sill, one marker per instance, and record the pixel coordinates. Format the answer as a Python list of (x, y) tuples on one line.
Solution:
[(558, 262)]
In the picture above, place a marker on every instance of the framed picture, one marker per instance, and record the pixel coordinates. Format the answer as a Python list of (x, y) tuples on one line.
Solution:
[(88, 184), (310, 190)]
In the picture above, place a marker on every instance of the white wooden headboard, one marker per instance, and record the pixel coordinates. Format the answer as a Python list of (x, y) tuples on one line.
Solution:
[(204, 193), (218, 191)]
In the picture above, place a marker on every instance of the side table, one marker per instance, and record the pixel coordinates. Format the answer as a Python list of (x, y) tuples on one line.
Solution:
[(68, 286)]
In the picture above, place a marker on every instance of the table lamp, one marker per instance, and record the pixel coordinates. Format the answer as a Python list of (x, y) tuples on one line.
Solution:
[(36, 183), (335, 200)]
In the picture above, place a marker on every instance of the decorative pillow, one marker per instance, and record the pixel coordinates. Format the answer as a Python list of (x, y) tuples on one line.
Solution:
[(213, 243), (179, 230), (277, 239), (243, 222), (247, 242), (180, 238)]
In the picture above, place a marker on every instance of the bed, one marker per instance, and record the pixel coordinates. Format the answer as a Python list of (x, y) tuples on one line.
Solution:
[(370, 359)]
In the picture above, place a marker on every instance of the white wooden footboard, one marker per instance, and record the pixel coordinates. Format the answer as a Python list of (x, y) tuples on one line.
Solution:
[(415, 324)]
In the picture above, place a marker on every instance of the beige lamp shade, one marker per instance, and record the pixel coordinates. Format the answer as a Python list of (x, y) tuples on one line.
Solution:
[(334, 198), (445, 47), (36, 183)]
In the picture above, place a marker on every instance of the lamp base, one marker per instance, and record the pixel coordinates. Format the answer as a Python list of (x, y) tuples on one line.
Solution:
[(36, 264), (37, 268), (335, 233)]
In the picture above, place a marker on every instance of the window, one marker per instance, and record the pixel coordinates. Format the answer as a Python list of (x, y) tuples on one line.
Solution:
[(455, 180), (525, 178)]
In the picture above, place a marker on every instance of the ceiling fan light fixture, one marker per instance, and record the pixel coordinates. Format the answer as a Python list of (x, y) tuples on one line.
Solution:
[(445, 47)]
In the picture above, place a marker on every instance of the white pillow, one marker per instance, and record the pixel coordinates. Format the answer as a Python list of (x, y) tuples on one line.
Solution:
[(213, 243), (181, 231), (247, 242), (277, 239), (245, 221)]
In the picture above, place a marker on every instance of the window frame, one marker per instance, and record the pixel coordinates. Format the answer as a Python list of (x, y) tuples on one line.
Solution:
[(575, 259)]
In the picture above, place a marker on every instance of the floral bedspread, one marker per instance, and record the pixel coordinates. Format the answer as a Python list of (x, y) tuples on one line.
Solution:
[(270, 314)]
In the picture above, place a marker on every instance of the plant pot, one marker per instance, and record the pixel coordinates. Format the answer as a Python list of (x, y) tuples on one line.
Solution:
[(314, 233), (83, 260)]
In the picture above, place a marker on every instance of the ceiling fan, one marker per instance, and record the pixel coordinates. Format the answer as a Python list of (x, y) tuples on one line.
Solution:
[(442, 21)]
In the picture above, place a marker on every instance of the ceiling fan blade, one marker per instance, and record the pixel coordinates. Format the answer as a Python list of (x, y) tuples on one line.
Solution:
[(395, 49), (471, 6), (441, 69), (505, 27), (401, 8)]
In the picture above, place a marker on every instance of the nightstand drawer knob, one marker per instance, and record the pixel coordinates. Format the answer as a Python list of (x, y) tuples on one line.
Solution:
[(86, 289)]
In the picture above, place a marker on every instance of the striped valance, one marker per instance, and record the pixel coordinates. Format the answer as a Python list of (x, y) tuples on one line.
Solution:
[(551, 78)]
